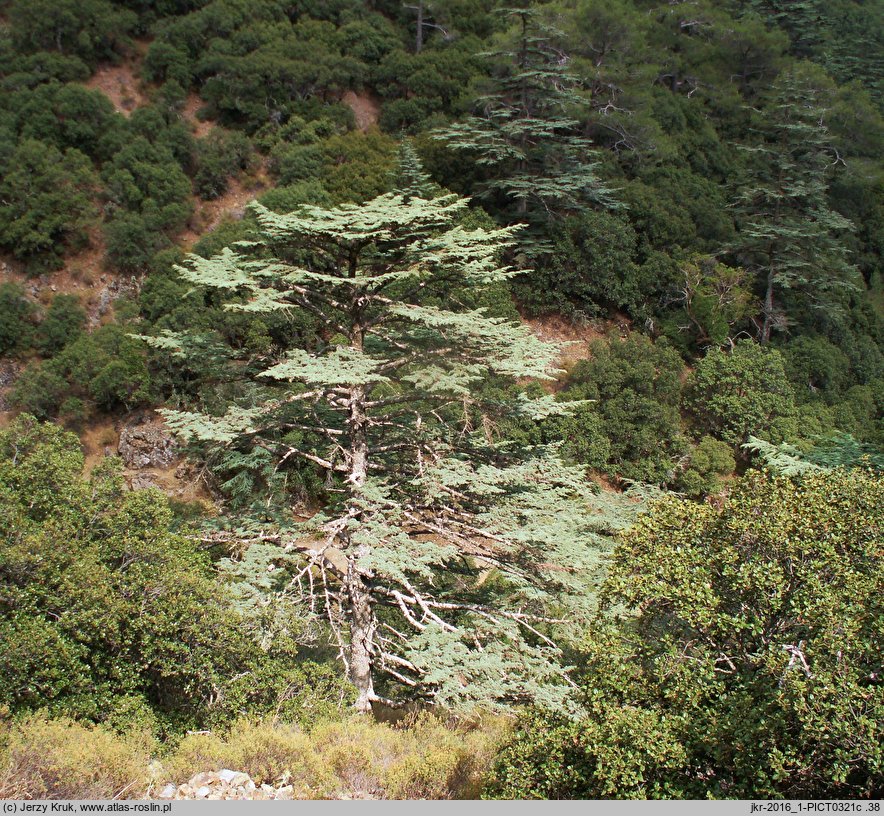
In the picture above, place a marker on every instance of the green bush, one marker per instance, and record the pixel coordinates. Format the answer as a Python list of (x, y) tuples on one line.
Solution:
[(16, 313), (736, 656), (40, 390), (219, 156), (46, 203), (132, 242), (149, 198), (66, 116), (584, 437), (165, 62), (143, 617), (817, 368), (708, 461), (148, 637), (635, 390), (592, 266), (87, 369), (743, 392), (63, 323), (91, 29), (352, 167)]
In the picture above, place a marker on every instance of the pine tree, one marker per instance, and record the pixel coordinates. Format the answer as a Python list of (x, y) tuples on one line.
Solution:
[(523, 134), (788, 233), (442, 548)]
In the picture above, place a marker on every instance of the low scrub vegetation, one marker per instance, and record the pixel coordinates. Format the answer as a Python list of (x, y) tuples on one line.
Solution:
[(45, 758)]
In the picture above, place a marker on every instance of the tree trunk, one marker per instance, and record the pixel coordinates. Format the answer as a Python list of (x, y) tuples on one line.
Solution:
[(768, 309), (419, 36), (362, 629), (358, 438), (362, 619)]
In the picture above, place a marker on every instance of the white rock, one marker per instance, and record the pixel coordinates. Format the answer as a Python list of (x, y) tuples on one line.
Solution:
[(168, 792), (204, 778), (233, 778)]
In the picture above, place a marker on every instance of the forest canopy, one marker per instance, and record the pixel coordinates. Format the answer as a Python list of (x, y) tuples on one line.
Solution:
[(510, 372)]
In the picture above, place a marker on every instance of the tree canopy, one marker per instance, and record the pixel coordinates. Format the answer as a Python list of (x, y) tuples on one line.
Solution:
[(420, 491)]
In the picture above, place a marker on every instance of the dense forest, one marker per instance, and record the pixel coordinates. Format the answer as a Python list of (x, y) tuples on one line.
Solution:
[(444, 399)]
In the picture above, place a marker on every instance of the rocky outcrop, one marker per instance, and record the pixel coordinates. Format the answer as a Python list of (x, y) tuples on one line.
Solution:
[(145, 443), (224, 784)]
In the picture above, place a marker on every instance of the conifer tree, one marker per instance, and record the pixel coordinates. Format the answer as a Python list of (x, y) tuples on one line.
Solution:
[(538, 165), (788, 233), (441, 548), (409, 178)]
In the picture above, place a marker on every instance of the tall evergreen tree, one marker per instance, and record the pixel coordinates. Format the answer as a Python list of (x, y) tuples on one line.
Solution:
[(522, 132), (788, 233), (441, 548), (409, 178)]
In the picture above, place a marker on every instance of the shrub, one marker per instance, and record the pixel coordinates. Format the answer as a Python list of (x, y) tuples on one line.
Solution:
[(45, 203), (584, 437), (817, 368), (220, 155), (302, 692), (91, 29), (61, 759), (592, 265), (357, 756), (66, 116), (635, 387), (144, 620), (707, 463), (737, 655), (109, 367), (16, 312), (39, 390), (352, 167), (165, 62), (73, 413), (146, 178), (743, 392), (63, 323), (131, 242)]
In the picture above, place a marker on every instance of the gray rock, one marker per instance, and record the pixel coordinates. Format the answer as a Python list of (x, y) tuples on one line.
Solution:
[(146, 444), (104, 301)]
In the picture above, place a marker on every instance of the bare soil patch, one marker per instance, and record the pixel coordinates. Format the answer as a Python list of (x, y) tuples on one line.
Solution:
[(121, 85), (82, 275), (365, 107), (99, 440), (575, 338), (199, 127), (208, 215)]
